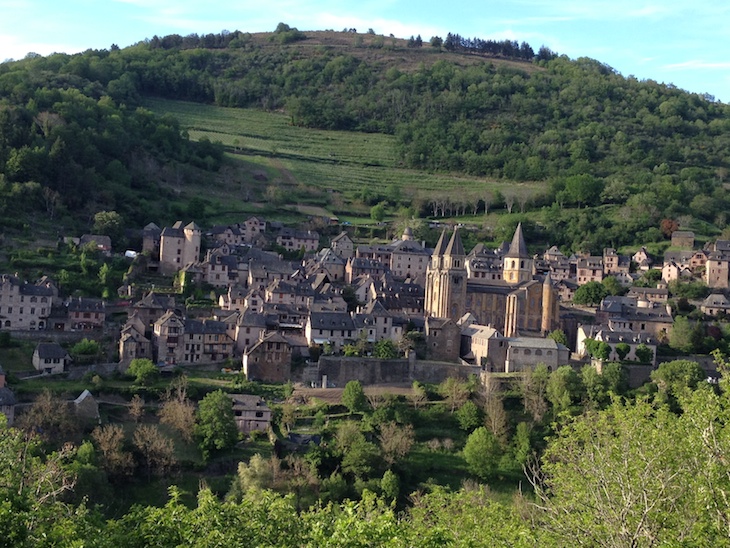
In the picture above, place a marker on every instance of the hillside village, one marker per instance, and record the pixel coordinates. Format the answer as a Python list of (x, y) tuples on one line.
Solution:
[(394, 294), (390, 312)]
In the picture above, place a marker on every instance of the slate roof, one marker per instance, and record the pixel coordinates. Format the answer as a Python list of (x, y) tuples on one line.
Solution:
[(7, 397), (455, 247), (518, 248), (331, 320), (82, 304), (49, 351), (206, 327)]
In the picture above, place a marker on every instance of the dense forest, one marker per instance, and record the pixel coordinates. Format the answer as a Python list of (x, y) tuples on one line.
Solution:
[(71, 130)]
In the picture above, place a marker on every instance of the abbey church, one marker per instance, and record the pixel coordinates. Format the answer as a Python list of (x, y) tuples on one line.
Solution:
[(520, 303)]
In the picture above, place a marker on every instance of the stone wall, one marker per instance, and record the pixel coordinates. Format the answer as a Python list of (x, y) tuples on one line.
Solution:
[(340, 370), (55, 336)]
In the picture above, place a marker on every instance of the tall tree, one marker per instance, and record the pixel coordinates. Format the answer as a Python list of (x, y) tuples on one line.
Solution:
[(216, 425), (482, 453), (353, 397)]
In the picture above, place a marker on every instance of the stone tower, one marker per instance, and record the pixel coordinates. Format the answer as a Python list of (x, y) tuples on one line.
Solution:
[(446, 279), (517, 265), (549, 304), (191, 249)]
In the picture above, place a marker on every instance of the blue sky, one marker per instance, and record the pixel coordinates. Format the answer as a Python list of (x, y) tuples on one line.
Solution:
[(671, 41)]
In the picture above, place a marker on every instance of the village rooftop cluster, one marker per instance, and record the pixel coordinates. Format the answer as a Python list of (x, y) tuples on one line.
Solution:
[(482, 312)]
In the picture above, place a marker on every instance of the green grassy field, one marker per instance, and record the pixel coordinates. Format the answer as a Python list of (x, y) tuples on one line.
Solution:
[(331, 161)]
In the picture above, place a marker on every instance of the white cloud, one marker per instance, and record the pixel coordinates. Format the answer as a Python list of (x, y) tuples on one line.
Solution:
[(697, 64)]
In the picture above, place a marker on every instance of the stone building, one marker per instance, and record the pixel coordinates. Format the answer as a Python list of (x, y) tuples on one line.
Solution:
[(519, 302), (179, 246)]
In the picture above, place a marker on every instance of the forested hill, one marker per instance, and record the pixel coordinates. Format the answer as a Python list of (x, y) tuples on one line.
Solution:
[(483, 108)]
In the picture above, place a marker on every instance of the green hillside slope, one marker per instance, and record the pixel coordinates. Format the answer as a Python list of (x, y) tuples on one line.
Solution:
[(452, 128)]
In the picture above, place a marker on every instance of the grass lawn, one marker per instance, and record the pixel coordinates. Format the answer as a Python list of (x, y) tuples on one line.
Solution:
[(18, 357), (306, 160)]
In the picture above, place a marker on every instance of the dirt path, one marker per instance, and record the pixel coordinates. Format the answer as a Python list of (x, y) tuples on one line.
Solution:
[(285, 173)]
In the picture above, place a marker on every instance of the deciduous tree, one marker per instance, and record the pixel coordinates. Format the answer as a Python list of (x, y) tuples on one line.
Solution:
[(156, 450), (177, 410), (109, 440), (353, 397), (482, 453), (216, 425), (395, 441)]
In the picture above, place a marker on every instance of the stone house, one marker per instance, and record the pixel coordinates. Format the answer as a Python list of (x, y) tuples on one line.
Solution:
[(24, 306), (333, 328), (151, 308), (613, 263), (132, 345), (717, 270), (151, 240), (206, 341), (484, 346), (179, 246), (443, 339), (343, 246), (85, 314), (101, 243), (233, 299), (526, 353), (261, 274), (715, 304), (167, 335), (250, 413), (375, 323), (642, 259), (651, 294), (408, 258), (683, 238), (329, 263), (268, 359), (249, 329), (294, 240), (672, 271), (635, 315), (50, 358), (220, 269), (589, 269), (613, 338), (361, 266)]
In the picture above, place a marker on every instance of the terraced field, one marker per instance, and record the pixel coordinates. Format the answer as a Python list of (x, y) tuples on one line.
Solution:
[(338, 161)]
